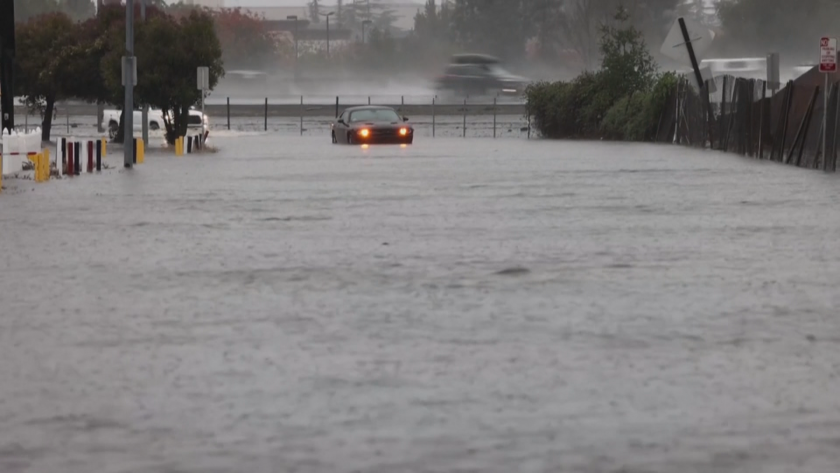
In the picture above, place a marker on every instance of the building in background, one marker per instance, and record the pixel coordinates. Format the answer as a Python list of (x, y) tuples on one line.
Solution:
[(215, 4)]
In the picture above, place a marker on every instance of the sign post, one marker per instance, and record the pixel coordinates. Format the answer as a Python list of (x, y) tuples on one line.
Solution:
[(203, 86), (129, 80), (828, 65)]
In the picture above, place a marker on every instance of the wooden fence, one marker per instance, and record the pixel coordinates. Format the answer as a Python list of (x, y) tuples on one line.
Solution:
[(743, 116)]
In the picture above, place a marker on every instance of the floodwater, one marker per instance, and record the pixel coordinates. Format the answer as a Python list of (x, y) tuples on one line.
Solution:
[(478, 305)]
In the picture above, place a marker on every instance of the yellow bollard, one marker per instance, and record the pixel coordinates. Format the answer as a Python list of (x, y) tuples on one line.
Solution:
[(104, 147), (141, 151), (36, 159), (47, 162), (41, 161), (39, 167)]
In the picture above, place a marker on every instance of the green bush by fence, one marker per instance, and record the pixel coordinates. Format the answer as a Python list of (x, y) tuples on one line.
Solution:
[(624, 100)]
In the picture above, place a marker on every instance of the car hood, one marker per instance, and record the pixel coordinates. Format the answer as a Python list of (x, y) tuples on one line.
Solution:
[(379, 124)]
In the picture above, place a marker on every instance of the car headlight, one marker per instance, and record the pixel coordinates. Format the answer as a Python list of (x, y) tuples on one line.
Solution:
[(364, 132), (403, 131)]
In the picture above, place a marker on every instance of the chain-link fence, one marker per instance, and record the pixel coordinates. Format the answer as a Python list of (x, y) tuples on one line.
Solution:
[(743, 116)]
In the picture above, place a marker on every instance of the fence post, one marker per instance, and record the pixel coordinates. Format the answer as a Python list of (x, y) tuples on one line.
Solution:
[(301, 115), (832, 167), (761, 121), (368, 99), (434, 115), (266, 114), (786, 107), (495, 100), (67, 117), (228, 113), (464, 129), (77, 158), (802, 132), (529, 122), (825, 116), (336, 106)]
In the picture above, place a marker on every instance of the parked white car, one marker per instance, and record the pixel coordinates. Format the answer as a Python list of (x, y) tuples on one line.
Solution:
[(197, 122), (748, 67)]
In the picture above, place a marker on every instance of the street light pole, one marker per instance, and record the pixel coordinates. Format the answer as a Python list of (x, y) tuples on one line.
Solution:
[(328, 15), (128, 78), (364, 24), (295, 18), (145, 115)]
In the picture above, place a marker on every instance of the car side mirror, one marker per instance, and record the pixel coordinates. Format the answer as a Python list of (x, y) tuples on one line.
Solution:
[(405, 119), (342, 121)]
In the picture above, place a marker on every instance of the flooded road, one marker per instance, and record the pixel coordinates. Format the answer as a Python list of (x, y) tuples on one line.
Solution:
[(459, 305)]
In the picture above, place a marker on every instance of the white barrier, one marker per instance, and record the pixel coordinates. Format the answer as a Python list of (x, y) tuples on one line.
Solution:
[(16, 146)]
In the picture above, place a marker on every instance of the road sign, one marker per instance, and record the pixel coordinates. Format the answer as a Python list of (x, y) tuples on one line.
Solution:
[(203, 78), (674, 45), (828, 55)]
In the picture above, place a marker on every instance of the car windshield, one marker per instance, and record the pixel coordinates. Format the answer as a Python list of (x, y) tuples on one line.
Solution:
[(374, 115)]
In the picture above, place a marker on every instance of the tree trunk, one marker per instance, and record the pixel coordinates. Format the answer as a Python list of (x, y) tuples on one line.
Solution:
[(120, 136), (46, 125), (178, 126), (100, 116)]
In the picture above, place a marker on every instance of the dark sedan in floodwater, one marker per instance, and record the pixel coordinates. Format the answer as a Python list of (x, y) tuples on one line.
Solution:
[(371, 125)]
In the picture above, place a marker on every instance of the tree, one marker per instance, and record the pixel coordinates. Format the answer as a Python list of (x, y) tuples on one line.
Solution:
[(77, 10), (169, 51), (44, 44), (314, 11), (627, 64), (493, 26), (245, 40)]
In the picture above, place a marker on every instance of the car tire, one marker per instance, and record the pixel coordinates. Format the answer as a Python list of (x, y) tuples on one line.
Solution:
[(334, 138), (113, 129), (350, 140), (154, 126)]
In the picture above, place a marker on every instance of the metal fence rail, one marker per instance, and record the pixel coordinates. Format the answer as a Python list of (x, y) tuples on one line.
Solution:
[(435, 116)]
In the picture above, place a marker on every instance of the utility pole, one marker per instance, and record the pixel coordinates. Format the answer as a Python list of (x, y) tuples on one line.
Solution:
[(129, 66), (100, 107), (145, 114), (7, 62)]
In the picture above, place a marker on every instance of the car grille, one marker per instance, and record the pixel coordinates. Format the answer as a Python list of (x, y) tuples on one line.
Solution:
[(384, 133)]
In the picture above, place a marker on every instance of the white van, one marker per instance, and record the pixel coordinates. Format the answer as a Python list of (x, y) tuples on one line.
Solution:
[(195, 122), (749, 67)]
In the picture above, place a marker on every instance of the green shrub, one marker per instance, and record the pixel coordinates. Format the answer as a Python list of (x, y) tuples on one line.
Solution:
[(613, 102), (635, 117)]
